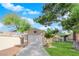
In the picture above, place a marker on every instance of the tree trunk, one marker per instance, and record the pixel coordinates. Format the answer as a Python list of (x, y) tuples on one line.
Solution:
[(64, 38), (74, 39), (75, 42), (27, 40)]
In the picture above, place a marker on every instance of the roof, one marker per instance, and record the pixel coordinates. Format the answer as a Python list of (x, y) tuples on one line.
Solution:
[(9, 34), (34, 29)]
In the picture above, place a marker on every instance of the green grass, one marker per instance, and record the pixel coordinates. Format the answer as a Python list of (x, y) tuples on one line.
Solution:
[(62, 49)]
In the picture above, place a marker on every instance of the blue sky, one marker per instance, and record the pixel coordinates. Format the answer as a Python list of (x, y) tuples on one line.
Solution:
[(27, 11), (34, 9)]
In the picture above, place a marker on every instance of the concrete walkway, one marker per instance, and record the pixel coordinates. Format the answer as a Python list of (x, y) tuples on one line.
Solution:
[(34, 49)]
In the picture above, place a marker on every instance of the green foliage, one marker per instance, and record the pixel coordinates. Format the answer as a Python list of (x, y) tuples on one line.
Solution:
[(46, 19), (50, 33), (66, 24), (52, 11), (55, 31), (57, 8), (72, 23), (13, 19), (23, 26)]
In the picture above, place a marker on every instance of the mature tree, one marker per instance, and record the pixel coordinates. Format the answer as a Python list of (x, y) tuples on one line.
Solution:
[(13, 19), (52, 11), (72, 23)]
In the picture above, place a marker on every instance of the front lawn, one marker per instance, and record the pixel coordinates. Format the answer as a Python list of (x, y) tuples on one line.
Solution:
[(62, 49)]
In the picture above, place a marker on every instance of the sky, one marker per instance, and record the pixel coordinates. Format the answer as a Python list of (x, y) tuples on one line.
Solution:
[(27, 11)]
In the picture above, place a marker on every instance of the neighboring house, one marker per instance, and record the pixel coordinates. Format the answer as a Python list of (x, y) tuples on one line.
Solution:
[(10, 39)]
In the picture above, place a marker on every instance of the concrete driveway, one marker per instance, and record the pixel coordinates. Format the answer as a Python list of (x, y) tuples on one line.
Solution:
[(33, 49)]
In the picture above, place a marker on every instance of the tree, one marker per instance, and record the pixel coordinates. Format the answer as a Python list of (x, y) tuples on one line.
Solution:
[(52, 11), (72, 23), (23, 26), (49, 34), (13, 19)]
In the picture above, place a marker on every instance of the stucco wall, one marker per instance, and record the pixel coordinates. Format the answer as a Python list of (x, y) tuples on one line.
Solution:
[(8, 41)]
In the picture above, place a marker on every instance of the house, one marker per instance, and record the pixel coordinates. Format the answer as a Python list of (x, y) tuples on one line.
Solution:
[(35, 35)]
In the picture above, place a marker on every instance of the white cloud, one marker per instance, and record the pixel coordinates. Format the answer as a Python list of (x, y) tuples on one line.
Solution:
[(1, 25), (29, 11), (32, 12), (12, 7), (31, 21), (18, 8)]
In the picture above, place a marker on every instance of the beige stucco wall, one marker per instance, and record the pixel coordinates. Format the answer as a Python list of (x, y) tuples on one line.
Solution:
[(8, 41)]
